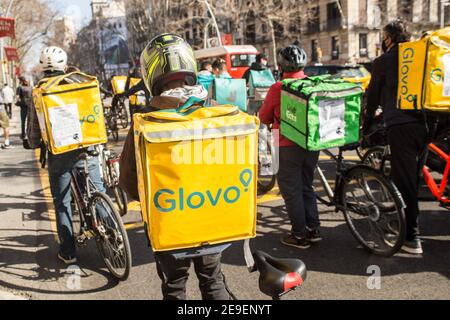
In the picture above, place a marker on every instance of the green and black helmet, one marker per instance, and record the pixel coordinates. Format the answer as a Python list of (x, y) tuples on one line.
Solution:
[(166, 58)]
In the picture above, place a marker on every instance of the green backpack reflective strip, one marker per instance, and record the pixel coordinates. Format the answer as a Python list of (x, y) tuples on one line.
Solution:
[(320, 113), (231, 91)]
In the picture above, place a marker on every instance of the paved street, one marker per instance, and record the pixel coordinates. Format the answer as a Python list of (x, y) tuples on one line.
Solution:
[(337, 268)]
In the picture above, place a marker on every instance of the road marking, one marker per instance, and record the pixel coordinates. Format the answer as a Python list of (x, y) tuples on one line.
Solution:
[(134, 225), (272, 195), (134, 206), (45, 184), (348, 158)]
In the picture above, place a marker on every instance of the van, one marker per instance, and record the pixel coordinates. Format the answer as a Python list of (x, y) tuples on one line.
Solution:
[(238, 58)]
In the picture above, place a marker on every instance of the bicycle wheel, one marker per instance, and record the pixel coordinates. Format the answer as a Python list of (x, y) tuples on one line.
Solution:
[(121, 200), (376, 158), (112, 238), (374, 210)]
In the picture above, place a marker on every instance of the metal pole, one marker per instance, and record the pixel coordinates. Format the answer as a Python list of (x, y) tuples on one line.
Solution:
[(214, 21), (205, 33)]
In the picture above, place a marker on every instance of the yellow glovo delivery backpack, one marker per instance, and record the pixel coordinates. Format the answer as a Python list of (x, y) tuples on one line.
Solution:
[(70, 112), (197, 169), (137, 99), (424, 73), (118, 84)]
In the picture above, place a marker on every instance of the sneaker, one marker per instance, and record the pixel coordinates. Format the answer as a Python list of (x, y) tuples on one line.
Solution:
[(413, 247), (67, 259), (6, 146), (293, 241), (313, 235)]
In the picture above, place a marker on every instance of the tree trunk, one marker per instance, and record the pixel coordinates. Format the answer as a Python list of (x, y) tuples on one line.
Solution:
[(274, 43)]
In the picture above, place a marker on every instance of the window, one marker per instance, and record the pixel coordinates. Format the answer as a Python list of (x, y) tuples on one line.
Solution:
[(242, 60), (314, 20), (264, 28), (333, 16), (334, 48), (363, 45)]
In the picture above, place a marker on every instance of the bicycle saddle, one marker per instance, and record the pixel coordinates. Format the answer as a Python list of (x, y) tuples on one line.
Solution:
[(278, 276)]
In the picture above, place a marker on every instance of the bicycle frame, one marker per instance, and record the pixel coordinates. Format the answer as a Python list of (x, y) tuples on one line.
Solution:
[(81, 198), (332, 194), (438, 191)]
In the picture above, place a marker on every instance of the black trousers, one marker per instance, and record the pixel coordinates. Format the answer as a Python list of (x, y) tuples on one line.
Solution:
[(8, 107), (408, 145), (295, 178), (174, 275), (23, 119)]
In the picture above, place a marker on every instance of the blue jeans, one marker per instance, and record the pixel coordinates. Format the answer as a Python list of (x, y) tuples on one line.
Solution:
[(60, 168), (295, 179)]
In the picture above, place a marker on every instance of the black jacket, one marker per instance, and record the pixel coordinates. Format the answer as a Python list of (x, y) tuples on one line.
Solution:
[(382, 91), (256, 66)]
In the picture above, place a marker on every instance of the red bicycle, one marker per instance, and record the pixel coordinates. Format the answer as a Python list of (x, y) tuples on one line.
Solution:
[(438, 162)]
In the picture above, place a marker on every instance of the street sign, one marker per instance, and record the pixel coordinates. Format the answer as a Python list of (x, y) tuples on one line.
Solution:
[(11, 54), (7, 28)]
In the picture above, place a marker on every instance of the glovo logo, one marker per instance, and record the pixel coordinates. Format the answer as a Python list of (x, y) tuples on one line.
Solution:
[(167, 200), (407, 65), (290, 113), (91, 118), (436, 75)]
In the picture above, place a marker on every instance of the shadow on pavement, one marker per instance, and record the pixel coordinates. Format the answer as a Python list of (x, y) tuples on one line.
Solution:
[(339, 252)]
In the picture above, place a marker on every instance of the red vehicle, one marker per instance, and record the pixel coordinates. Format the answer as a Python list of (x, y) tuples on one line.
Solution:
[(238, 58)]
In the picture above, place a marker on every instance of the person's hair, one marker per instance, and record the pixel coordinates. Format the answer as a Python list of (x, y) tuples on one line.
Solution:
[(220, 64), (261, 56), (204, 65), (397, 30)]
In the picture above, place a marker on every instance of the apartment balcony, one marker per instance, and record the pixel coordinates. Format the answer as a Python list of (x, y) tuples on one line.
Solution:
[(312, 28), (333, 24)]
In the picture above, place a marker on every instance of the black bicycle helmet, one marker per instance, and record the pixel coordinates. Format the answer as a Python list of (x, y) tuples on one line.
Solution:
[(292, 58), (166, 58)]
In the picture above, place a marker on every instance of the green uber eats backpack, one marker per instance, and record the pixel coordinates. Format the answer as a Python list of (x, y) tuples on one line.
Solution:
[(319, 113)]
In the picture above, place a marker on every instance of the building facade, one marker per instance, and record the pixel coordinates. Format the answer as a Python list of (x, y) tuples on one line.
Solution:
[(349, 31), (109, 20)]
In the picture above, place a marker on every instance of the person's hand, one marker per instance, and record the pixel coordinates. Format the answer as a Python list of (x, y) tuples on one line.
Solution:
[(25, 144)]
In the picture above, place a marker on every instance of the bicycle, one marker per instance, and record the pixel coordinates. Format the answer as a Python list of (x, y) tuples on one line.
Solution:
[(110, 173), (378, 157), (99, 220), (111, 121), (122, 114), (372, 205), (266, 152)]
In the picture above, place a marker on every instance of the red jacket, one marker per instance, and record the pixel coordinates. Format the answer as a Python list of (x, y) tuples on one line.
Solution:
[(270, 112)]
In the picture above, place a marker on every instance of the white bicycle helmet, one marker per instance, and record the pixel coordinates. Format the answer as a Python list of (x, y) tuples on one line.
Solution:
[(53, 59)]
